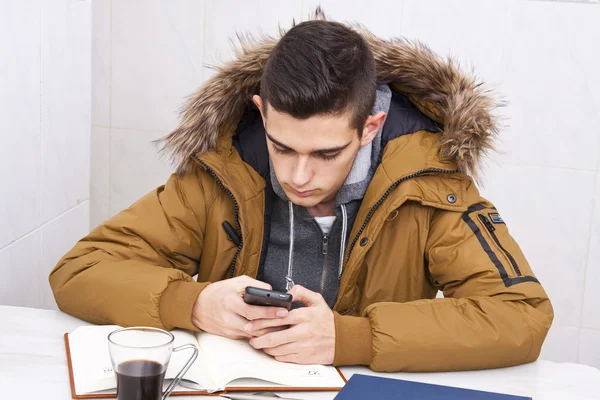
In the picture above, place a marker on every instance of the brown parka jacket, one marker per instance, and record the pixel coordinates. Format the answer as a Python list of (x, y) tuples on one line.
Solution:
[(422, 227)]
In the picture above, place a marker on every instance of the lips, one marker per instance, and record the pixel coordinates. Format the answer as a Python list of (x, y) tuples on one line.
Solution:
[(305, 193)]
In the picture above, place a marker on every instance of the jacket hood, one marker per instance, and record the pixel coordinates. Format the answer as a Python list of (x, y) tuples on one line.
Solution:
[(455, 100)]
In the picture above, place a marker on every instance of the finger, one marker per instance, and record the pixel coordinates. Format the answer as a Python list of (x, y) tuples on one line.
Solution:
[(235, 336), (305, 296), (283, 350), (235, 327), (290, 358), (293, 318), (252, 312), (268, 330), (244, 280), (270, 340)]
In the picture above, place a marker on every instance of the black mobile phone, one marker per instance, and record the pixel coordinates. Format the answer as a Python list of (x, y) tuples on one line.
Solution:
[(264, 297)]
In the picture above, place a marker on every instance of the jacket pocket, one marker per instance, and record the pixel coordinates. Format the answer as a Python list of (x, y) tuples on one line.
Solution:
[(489, 227)]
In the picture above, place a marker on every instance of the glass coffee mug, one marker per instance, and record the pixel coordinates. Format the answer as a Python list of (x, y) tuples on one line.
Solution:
[(140, 357)]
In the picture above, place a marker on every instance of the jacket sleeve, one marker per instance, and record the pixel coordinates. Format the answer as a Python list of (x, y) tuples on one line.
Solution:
[(137, 267), (494, 312)]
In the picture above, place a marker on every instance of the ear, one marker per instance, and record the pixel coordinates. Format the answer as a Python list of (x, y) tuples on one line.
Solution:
[(259, 103), (371, 127)]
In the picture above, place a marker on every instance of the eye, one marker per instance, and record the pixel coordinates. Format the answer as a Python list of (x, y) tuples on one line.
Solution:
[(280, 151), (329, 157)]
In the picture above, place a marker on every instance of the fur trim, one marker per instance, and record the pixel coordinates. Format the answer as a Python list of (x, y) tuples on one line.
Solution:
[(437, 86)]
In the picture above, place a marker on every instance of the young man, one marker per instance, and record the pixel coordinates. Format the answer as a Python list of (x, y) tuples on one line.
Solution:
[(337, 166)]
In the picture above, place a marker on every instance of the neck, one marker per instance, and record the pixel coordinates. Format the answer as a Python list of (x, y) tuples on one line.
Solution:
[(322, 209)]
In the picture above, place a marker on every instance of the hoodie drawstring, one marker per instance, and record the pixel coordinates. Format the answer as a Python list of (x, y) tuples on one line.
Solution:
[(289, 282), (343, 241)]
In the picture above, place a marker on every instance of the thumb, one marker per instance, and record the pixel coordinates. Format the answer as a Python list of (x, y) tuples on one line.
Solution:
[(305, 296)]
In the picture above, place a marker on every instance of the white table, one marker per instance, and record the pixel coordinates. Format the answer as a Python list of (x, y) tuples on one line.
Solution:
[(33, 366)]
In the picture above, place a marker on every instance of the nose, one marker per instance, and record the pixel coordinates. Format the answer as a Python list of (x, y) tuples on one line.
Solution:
[(302, 173)]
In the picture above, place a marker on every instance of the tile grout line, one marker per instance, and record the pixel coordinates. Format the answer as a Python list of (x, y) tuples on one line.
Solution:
[(203, 39), (41, 166), (587, 260), (40, 243), (402, 7), (37, 228), (110, 70), (162, 132), (512, 164), (40, 255), (590, 329), (574, 2)]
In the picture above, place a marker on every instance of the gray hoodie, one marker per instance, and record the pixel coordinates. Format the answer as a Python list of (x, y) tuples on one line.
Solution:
[(298, 251)]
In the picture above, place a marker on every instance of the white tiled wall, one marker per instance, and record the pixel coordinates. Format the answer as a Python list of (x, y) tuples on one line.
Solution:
[(58, 236), (134, 168), (156, 63), (99, 177), (537, 204), (538, 55), (223, 19), (45, 105), (20, 152), (591, 300)]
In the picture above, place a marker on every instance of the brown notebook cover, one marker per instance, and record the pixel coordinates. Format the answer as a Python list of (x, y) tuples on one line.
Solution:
[(199, 392)]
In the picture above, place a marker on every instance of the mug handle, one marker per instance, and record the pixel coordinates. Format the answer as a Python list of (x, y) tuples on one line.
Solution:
[(185, 368)]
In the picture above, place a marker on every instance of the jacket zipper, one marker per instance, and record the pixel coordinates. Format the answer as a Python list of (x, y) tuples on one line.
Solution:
[(325, 243), (324, 250), (381, 199), (236, 208), (490, 228)]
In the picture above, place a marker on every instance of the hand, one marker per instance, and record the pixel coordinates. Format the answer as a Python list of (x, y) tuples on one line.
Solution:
[(220, 308), (310, 338)]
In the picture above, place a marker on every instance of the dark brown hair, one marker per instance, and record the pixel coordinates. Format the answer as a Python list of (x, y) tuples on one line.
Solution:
[(320, 67)]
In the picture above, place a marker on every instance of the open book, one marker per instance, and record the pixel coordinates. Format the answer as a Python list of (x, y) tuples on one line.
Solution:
[(222, 365)]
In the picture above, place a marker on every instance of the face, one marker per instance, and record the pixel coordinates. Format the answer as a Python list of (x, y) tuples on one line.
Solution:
[(312, 157)]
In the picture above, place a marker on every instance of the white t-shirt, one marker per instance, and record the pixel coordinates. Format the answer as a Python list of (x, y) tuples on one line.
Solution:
[(325, 223)]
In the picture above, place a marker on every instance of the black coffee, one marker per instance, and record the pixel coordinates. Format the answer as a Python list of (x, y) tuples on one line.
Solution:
[(140, 380)]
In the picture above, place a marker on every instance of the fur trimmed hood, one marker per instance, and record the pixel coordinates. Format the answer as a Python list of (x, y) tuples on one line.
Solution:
[(437, 86)]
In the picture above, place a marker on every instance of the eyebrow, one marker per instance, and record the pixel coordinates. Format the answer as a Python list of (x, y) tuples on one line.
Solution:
[(319, 151)]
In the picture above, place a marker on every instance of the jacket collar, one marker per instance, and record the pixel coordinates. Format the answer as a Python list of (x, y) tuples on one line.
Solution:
[(460, 105)]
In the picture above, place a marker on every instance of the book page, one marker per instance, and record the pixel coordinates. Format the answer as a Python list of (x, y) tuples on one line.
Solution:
[(92, 367), (234, 359), (198, 376)]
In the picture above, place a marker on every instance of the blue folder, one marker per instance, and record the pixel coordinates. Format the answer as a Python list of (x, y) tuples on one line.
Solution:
[(365, 387)]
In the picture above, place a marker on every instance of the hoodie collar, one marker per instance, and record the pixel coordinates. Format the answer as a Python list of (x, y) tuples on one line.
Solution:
[(368, 156)]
